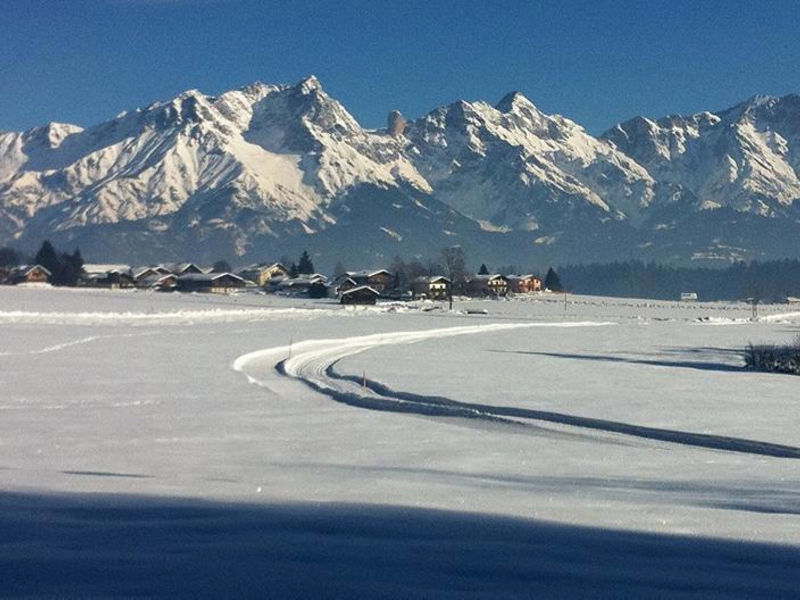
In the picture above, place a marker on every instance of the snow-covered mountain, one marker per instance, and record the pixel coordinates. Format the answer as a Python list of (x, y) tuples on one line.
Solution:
[(512, 166), (746, 158), (271, 169)]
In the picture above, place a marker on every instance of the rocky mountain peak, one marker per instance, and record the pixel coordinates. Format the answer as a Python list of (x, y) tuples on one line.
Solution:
[(514, 101)]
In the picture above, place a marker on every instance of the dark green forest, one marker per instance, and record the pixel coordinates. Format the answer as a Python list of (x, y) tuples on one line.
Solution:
[(765, 281)]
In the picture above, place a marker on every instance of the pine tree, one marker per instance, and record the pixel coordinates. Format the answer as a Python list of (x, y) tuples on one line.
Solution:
[(70, 268), (483, 270), (305, 266), (48, 258), (552, 281)]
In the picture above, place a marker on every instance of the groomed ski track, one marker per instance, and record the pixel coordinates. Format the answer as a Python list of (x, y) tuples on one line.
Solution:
[(313, 362)]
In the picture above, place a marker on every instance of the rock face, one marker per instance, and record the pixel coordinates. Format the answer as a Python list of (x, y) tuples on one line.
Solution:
[(396, 124), (275, 168), (746, 158)]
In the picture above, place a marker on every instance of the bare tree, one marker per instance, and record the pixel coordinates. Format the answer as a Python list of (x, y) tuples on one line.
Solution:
[(454, 265)]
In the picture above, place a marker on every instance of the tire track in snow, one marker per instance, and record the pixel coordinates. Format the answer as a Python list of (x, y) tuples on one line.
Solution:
[(78, 342), (313, 362)]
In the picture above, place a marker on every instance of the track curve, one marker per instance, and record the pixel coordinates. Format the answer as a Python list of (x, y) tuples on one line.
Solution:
[(313, 362)]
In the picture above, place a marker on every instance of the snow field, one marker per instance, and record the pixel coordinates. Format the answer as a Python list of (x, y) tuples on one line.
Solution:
[(100, 408)]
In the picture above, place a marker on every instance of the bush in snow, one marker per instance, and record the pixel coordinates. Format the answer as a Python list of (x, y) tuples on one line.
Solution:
[(772, 358)]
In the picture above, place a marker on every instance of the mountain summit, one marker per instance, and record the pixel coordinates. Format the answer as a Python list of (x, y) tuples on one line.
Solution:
[(274, 168)]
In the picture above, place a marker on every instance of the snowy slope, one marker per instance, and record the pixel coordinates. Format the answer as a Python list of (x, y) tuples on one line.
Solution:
[(746, 157), (512, 165), (273, 156)]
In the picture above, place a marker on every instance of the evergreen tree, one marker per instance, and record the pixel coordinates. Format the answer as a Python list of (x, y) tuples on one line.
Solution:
[(70, 268), (293, 272), (48, 258), (305, 266), (483, 270), (552, 281)]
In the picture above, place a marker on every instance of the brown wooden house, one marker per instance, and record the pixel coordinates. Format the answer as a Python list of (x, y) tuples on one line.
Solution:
[(380, 280), (488, 285), (30, 274), (217, 283), (362, 294)]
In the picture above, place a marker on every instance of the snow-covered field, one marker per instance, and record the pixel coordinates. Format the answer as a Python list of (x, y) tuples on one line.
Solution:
[(190, 445)]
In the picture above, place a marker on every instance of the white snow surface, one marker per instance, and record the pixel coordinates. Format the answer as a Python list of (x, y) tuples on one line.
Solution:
[(395, 451)]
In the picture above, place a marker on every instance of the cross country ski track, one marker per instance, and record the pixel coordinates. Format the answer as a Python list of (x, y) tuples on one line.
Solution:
[(313, 362)]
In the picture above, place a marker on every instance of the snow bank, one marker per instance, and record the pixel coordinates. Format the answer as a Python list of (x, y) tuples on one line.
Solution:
[(179, 317)]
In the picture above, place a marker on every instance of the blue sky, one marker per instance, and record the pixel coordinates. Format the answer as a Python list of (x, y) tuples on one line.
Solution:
[(596, 62)]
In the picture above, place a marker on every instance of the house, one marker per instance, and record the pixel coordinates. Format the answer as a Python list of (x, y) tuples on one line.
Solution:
[(523, 284), (143, 272), (29, 274), (362, 294), (436, 287), (488, 285), (380, 280), (185, 268), (113, 276), (218, 283), (342, 284), (298, 285), (158, 282), (262, 274)]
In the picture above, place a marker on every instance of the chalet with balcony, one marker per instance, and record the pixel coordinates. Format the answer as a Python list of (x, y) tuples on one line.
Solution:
[(262, 274), (488, 285), (435, 287), (380, 280)]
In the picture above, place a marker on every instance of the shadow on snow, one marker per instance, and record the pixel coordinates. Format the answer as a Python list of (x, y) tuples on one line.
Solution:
[(93, 545)]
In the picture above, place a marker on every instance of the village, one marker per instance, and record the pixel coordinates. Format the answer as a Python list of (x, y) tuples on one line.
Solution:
[(348, 287)]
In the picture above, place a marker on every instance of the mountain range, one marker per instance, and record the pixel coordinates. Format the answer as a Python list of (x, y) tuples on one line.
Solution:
[(269, 170)]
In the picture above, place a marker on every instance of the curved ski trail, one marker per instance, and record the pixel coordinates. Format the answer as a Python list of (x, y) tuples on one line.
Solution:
[(312, 361)]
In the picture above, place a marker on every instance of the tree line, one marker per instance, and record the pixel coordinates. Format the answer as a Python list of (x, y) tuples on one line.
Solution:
[(65, 268), (765, 281)]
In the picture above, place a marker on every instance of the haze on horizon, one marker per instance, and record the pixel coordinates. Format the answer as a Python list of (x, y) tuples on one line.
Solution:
[(83, 61)]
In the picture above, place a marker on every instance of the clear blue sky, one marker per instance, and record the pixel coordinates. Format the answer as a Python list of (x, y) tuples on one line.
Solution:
[(597, 62)]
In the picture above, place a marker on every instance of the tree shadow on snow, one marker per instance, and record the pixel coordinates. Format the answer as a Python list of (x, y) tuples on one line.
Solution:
[(654, 362), (92, 545)]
